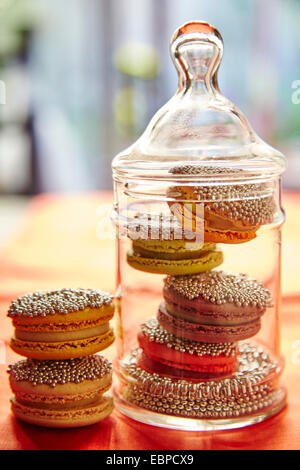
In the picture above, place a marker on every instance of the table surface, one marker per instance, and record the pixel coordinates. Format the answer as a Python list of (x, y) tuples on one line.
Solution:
[(55, 244)]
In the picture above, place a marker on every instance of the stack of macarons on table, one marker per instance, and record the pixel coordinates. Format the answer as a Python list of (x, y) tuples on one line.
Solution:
[(192, 358), (63, 382)]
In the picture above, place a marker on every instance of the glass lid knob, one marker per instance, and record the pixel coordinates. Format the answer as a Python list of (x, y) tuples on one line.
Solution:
[(196, 49)]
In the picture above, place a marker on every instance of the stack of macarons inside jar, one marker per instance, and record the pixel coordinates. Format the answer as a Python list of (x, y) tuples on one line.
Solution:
[(62, 382), (205, 313)]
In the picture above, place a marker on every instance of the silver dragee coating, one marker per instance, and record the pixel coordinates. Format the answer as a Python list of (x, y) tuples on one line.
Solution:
[(202, 170), (250, 203), (57, 301), (238, 202), (219, 287), (53, 372), (213, 408), (253, 368)]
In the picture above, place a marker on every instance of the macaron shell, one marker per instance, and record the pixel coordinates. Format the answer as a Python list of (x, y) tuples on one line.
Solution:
[(69, 418), (85, 318), (61, 394), (207, 333), (228, 237), (208, 261), (64, 349), (168, 369), (200, 310)]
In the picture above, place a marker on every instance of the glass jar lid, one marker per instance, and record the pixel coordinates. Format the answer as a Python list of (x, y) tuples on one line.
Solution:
[(198, 128)]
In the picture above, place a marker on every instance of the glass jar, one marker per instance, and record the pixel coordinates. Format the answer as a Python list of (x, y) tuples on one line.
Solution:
[(198, 215)]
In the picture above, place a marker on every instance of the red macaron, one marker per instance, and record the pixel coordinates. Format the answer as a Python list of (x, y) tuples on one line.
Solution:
[(176, 357)]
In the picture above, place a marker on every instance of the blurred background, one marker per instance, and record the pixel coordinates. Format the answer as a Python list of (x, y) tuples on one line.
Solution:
[(81, 79)]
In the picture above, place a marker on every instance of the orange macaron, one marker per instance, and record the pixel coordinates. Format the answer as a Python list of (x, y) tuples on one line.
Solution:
[(61, 394), (61, 324), (227, 213)]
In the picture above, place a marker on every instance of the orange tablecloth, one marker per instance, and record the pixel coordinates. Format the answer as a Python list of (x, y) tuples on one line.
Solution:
[(57, 245)]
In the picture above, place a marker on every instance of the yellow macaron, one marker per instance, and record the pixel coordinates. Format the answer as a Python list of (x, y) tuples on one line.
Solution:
[(61, 394), (173, 256), (161, 245), (61, 324), (226, 213)]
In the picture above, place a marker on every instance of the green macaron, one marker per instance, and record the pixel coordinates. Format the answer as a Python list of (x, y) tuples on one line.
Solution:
[(174, 257)]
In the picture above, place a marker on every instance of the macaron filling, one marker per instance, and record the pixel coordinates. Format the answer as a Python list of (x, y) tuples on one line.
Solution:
[(207, 261), (75, 404), (208, 318), (206, 333), (77, 401), (58, 336), (173, 249)]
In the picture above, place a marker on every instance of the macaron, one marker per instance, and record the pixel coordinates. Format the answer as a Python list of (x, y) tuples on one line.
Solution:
[(252, 388), (231, 212), (173, 256), (213, 307), (160, 245), (61, 324), (61, 394), (180, 357)]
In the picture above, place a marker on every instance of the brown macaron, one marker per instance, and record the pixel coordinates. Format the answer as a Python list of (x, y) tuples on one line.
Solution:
[(213, 306)]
